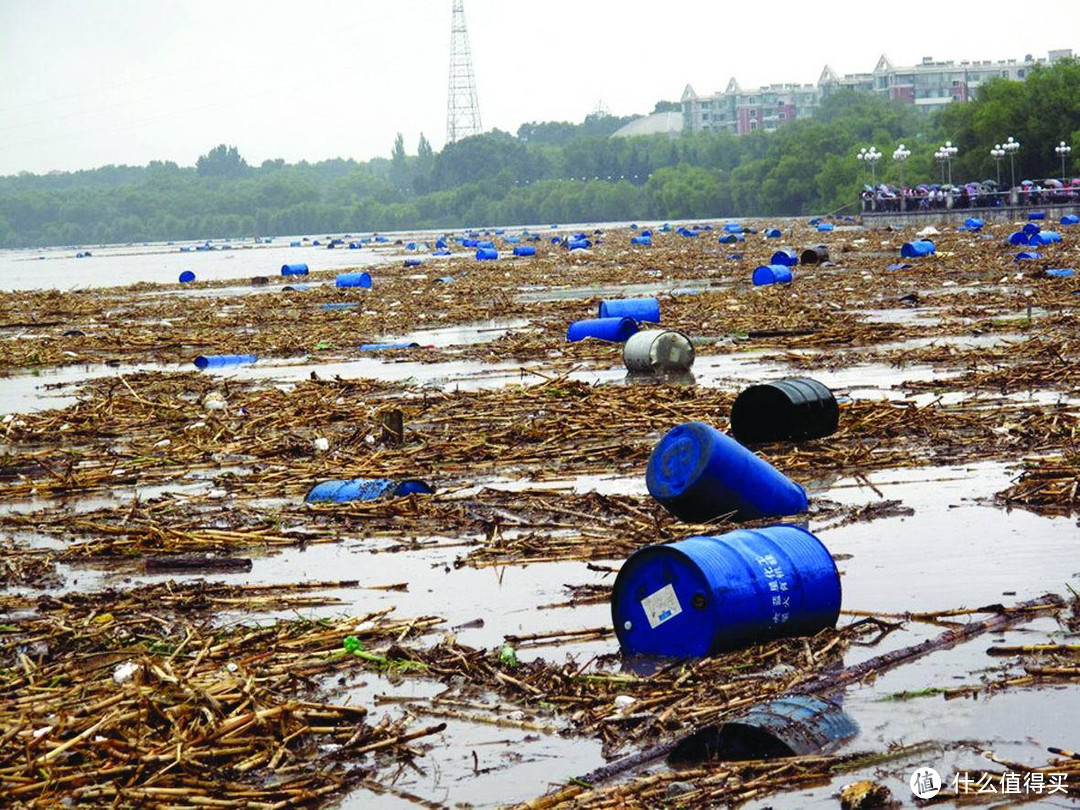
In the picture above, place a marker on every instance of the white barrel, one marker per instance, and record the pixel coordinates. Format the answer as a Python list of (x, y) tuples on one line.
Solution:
[(658, 350)]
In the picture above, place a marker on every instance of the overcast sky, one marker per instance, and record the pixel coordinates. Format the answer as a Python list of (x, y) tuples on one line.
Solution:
[(85, 83)]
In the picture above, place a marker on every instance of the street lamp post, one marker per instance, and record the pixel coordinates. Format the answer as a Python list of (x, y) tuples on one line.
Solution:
[(901, 155), (948, 152), (941, 156), (1011, 147), (997, 153), (1063, 151), (870, 156)]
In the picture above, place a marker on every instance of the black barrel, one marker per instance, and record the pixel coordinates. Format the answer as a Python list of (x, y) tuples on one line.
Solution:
[(784, 410), (819, 254)]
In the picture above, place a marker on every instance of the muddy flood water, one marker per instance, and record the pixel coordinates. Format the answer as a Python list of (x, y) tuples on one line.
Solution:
[(182, 627)]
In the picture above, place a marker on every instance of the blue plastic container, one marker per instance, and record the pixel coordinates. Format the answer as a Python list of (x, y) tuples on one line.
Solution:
[(786, 257), (487, 254), (413, 262), (294, 244), (295, 288), (411, 246), (578, 244), (1031, 228), (294, 270), (646, 232), (641, 240), (640, 309), (487, 245), (524, 250), (1044, 238), (1027, 255), (1036, 215), (364, 489), (898, 267), (1070, 219), (441, 253), (615, 330), (440, 243), (772, 233), (469, 243), (825, 227), (378, 347), (513, 240), (687, 233), (709, 594), (218, 360), (731, 238), (772, 274), (917, 249), (973, 223), (1061, 272), (353, 280), (1019, 238), (793, 725), (698, 474), (186, 277), (733, 227)]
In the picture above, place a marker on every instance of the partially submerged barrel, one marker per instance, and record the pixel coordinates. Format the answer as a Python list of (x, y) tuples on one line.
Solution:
[(784, 410), (1070, 219), (658, 350), (1019, 238), (205, 361), (615, 330), (772, 233), (793, 725), (825, 227), (187, 277), (709, 594), (353, 280), (1034, 216), (1044, 238), (772, 274), (973, 223), (640, 309), (699, 474), (645, 241), (819, 254), (294, 269), (364, 489), (917, 249), (524, 250), (786, 257)]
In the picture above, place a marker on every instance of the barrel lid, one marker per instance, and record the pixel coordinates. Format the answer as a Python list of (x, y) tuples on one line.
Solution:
[(678, 460)]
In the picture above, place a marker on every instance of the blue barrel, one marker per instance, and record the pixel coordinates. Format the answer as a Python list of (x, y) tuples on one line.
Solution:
[(793, 725), (294, 270), (413, 262), (641, 240), (1044, 238), (364, 489), (340, 305), (219, 360), (640, 309), (500, 231), (1036, 215), (378, 347), (615, 330), (686, 232), (186, 249), (487, 254), (295, 288), (411, 246), (698, 474), (772, 233), (441, 253), (1019, 238), (898, 266), (186, 277), (380, 239), (469, 243), (709, 594), (974, 223), (786, 257), (1061, 272), (825, 227), (1031, 228), (819, 254), (917, 249), (294, 244), (353, 280), (1070, 219), (489, 245), (524, 250), (356, 245), (1027, 255), (646, 232), (772, 274), (513, 240), (440, 243), (731, 238), (579, 244), (733, 227)]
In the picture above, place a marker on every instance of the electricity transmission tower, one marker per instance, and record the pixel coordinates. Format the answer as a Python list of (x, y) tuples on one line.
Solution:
[(462, 108)]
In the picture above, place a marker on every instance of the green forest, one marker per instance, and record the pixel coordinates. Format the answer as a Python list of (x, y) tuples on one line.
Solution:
[(550, 172)]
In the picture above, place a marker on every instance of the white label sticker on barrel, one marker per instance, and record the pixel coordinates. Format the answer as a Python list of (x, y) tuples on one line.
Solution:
[(661, 606)]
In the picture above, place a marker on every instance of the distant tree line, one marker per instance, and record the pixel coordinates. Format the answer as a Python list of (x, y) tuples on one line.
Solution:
[(548, 172)]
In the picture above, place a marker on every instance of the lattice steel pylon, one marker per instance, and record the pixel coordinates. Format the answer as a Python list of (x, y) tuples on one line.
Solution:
[(462, 108)]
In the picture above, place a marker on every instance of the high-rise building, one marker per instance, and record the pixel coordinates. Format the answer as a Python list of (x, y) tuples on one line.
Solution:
[(929, 85)]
